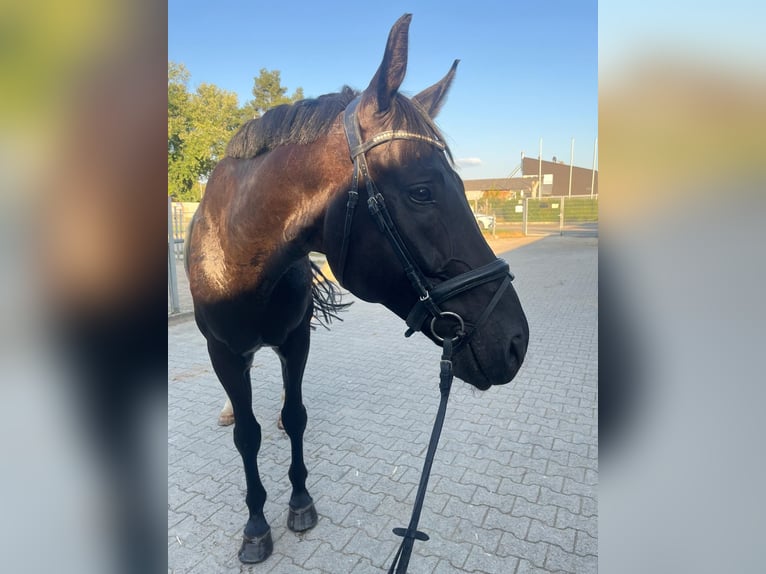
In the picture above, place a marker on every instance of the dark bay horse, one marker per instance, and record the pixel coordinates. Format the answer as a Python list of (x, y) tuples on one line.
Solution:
[(289, 185)]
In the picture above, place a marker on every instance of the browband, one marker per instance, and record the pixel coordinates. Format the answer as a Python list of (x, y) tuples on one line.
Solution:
[(354, 137)]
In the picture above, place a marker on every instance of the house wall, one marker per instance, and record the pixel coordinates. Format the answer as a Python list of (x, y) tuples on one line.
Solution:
[(581, 177)]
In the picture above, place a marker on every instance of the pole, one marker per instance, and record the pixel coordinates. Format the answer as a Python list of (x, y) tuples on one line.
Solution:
[(571, 161), (593, 175), (540, 170), (561, 217), (521, 163), (525, 205), (175, 305)]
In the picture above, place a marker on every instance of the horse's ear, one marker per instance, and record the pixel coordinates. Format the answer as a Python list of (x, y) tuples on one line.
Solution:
[(386, 81), (431, 99)]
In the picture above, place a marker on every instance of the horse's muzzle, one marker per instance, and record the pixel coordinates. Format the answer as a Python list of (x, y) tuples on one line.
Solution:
[(476, 367)]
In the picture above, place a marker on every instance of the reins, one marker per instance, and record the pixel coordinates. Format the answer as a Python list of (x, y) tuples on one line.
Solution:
[(430, 297), (411, 533)]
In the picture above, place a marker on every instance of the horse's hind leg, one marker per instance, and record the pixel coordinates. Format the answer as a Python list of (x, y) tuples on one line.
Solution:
[(226, 416), (293, 353), (233, 371)]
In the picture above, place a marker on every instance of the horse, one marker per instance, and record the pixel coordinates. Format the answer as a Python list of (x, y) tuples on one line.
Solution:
[(289, 184)]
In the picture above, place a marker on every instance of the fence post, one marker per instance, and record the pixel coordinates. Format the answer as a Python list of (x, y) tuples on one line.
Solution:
[(175, 305), (524, 216), (561, 217), (178, 229)]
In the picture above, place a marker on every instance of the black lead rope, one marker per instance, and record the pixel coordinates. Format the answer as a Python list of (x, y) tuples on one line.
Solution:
[(411, 533)]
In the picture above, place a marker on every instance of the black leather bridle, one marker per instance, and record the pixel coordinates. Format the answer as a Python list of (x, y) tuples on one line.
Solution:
[(430, 297)]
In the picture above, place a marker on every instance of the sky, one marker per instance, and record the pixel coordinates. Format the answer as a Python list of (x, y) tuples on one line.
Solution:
[(527, 70)]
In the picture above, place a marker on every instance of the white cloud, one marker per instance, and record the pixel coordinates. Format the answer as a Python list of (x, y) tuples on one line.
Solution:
[(468, 162)]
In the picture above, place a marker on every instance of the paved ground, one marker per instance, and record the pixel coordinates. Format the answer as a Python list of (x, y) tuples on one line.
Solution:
[(513, 488)]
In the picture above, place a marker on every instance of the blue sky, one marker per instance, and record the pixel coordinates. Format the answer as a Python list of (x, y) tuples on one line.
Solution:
[(528, 70)]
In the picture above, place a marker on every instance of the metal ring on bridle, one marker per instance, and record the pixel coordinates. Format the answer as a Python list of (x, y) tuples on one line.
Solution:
[(442, 315)]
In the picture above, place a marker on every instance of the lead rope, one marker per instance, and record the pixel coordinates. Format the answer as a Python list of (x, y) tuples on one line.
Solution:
[(411, 533)]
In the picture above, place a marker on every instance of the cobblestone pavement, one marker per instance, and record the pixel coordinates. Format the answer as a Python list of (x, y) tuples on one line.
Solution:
[(513, 486)]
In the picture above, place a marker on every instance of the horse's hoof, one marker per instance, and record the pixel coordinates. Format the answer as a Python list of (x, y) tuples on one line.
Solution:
[(225, 419), (256, 549), (302, 519)]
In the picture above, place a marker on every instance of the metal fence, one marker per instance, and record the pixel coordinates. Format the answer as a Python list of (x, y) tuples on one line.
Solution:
[(547, 215), (174, 305), (550, 215), (179, 216)]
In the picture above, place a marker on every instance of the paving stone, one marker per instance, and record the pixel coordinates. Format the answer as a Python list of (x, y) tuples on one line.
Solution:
[(516, 525), (464, 492), (514, 547), (454, 551), (487, 539), (558, 559), (571, 502), (555, 483), (585, 544), (530, 492), (365, 566), (376, 550), (589, 507), (502, 502), (328, 559), (565, 519), (543, 512), (526, 567), (366, 500), (480, 561), (564, 538), (514, 484)]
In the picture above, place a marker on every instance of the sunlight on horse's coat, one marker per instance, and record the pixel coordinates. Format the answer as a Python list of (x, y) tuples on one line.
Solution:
[(213, 262)]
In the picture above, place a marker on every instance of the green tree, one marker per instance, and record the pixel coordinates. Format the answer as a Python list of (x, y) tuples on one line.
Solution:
[(200, 125), (268, 92), (180, 178)]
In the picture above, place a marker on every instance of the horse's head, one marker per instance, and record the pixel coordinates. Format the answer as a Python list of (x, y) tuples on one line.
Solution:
[(430, 238)]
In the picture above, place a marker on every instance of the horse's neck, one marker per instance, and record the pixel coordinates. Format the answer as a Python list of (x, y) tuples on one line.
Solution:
[(264, 214)]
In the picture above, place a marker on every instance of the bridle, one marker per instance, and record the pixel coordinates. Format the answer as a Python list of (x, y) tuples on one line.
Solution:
[(430, 297)]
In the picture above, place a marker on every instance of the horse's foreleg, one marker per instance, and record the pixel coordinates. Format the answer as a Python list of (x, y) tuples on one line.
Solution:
[(234, 373), (293, 354)]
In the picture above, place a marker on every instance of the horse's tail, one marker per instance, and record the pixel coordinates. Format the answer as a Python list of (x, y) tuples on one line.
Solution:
[(327, 298)]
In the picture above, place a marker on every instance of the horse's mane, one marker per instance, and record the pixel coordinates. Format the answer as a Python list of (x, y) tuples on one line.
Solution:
[(299, 123), (305, 121)]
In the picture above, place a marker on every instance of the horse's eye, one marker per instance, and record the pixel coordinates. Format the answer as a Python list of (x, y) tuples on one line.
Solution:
[(420, 195)]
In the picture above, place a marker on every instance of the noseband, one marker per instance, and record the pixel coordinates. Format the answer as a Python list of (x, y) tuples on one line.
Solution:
[(430, 297)]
